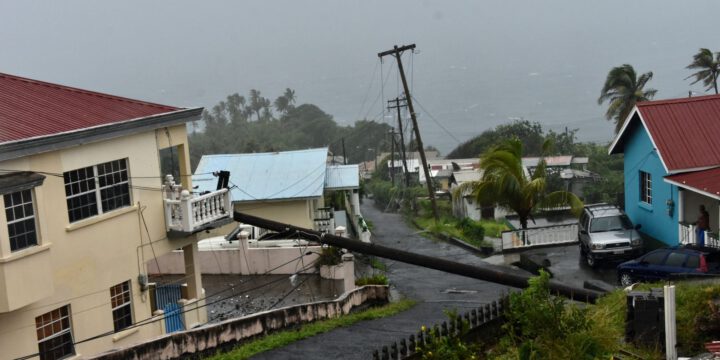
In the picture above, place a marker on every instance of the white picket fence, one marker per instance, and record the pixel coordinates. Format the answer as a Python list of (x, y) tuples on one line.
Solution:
[(541, 236)]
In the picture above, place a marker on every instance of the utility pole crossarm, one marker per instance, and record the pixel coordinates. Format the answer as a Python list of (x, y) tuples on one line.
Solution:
[(396, 50)]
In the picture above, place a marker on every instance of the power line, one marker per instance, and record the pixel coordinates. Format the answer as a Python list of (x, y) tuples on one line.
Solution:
[(154, 319), (436, 121)]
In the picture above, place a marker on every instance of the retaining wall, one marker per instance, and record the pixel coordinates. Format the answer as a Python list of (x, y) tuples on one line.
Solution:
[(207, 339)]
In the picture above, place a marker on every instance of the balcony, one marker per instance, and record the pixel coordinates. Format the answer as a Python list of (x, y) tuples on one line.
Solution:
[(688, 236), (186, 213)]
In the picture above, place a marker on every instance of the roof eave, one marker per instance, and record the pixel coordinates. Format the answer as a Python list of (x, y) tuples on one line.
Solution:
[(41, 144), (693, 189), (620, 134)]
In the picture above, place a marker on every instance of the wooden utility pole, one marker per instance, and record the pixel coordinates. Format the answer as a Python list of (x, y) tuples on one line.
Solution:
[(344, 155), (397, 106), (397, 53), (392, 156)]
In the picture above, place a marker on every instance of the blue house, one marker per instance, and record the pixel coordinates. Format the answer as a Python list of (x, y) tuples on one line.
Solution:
[(672, 166)]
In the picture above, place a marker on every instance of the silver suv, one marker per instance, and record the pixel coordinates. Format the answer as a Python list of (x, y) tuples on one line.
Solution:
[(606, 233)]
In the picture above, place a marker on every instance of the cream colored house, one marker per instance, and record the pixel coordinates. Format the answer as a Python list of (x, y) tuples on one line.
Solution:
[(286, 186), (84, 214)]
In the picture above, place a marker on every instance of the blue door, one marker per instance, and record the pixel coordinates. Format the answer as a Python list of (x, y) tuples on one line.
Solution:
[(166, 298), (173, 318)]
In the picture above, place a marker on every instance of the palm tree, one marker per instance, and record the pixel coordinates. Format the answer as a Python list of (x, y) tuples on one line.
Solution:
[(281, 104), (290, 96), (709, 68), (506, 182), (623, 89)]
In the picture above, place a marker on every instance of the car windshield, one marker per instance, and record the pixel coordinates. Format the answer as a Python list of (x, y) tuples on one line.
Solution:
[(610, 223)]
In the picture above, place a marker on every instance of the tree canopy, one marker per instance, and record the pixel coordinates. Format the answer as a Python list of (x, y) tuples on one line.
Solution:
[(246, 125), (708, 67), (622, 90)]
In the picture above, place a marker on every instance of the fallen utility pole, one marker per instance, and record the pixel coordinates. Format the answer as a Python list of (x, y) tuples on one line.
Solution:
[(397, 106), (491, 273), (397, 52)]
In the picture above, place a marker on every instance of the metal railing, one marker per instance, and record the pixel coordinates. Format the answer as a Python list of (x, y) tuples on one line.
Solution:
[(689, 236), (187, 213), (540, 236)]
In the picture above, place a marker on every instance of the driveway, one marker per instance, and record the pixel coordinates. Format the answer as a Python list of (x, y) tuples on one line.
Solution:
[(435, 291)]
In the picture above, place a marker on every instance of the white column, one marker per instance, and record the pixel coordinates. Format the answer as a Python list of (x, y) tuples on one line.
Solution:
[(192, 270), (680, 208), (349, 272), (355, 202), (670, 325)]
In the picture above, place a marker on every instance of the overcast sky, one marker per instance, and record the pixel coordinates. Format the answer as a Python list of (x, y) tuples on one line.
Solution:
[(480, 62)]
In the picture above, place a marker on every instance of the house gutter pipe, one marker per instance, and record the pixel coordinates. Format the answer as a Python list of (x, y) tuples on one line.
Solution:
[(491, 273)]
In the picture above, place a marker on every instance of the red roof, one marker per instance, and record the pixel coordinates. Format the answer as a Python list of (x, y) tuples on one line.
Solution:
[(685, 131), (707, 181), (31, 108)]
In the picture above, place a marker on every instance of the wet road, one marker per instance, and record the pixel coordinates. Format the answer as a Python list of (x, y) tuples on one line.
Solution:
[(434, 290)]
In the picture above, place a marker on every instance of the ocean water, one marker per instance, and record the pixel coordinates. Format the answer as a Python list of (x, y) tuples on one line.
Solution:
[(479, 64)]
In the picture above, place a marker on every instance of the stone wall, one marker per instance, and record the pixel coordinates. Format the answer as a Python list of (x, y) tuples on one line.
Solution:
[(226, 334)]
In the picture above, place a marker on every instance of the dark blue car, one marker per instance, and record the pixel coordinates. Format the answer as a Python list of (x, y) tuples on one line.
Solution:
[(661, 263)]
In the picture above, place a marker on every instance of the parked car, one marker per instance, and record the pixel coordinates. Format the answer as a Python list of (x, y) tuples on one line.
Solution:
[(661, 263), (606, 233)]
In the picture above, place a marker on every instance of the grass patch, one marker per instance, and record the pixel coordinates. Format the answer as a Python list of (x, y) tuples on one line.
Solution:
[(377, 279), (286, 337), (494, 228), (378, 265)]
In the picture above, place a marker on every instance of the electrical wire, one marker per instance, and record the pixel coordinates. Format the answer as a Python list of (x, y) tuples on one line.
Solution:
[(154, 319)]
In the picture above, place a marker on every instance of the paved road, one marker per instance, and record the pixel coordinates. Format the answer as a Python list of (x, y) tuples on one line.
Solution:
[(424, 285)]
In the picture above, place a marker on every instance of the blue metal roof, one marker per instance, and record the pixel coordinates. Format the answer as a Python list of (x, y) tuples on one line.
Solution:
[(341, 177), (267, 176)]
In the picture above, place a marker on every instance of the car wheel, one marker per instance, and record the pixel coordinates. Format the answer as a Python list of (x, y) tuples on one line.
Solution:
[(626, 279), (590, 260)]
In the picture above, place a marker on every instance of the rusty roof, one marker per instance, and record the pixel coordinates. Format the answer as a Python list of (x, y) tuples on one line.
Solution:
[(32, 109), (706, 182), (683, 131)]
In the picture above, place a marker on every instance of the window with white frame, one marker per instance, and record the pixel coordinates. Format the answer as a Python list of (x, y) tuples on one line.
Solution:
[(20, 216), (121, 303), (97, 189), (54, 334), (645, 187)]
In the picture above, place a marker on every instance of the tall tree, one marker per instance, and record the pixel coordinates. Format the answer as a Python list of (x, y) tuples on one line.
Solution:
[(290, 96), (622, 90), (506, 183), (708, 68)]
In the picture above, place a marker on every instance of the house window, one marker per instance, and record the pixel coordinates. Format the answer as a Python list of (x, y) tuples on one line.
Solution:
[(54, 334), (97, 189), (645, 187), (20, 215), (121, 305)]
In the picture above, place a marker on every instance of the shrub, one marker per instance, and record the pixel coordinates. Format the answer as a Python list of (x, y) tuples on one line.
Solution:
[(377, 279), (452, 347), (472, 229), (329, 256)]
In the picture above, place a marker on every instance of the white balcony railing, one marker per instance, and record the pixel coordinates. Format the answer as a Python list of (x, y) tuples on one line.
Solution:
[(187, 213), (689, 236)]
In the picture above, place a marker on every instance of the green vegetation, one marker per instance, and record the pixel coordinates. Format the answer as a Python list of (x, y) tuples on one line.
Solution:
[(377, 264), (622, 90), (540, 326), (286, 337), (452, 347), (245, 125), (504, 182), (470, 231), (329, 256), (376, 279), (708, 68)]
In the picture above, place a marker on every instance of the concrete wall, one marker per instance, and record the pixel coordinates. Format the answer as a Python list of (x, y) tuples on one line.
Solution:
[(295, 212), (232, 261), (230, 332), (86, 258), (640, 155)]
